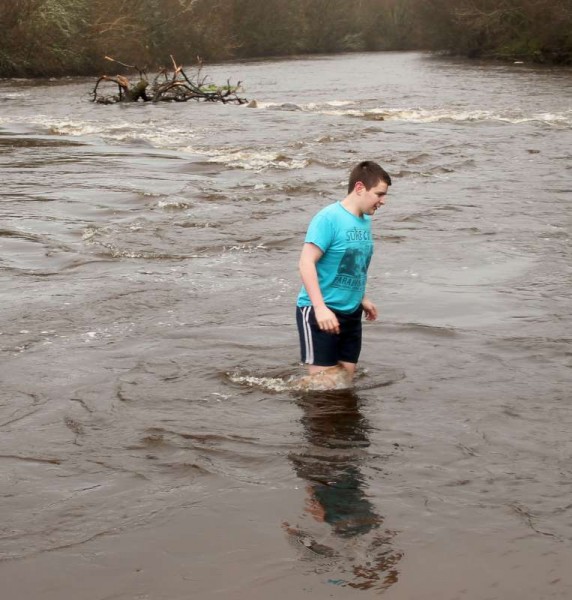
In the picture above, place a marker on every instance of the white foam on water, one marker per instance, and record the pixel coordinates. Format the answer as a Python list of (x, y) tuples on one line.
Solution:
[(251, 160), (14, 95), (290, 383), (310, 106), (260, 104), (335, 112), (339, 102), (168, 139), (271, 384), (245, 248), (79, 128), (420, 115), (71, 128), (156, 134), (564, 118), (174, 204)]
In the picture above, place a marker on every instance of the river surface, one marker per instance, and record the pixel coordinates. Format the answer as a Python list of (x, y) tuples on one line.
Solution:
[(150, 445)]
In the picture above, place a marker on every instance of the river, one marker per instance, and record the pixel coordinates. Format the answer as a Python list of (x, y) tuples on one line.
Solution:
[(150, 446)]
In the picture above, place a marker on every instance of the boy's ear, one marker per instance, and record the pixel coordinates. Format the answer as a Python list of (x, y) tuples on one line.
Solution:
[(359, 187)]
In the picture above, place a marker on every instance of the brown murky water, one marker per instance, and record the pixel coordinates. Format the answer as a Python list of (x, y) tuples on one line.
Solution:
[(150, 446)]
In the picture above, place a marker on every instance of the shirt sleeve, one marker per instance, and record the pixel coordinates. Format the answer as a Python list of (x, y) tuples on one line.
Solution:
[(320, 232)]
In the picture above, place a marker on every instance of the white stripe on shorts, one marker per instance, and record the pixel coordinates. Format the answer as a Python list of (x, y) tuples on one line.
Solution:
[(308, 342)]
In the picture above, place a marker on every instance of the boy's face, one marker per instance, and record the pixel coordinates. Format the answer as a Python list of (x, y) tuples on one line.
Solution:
[(372, 199)]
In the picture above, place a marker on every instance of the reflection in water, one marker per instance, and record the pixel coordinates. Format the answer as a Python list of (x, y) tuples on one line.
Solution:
[(337, 440)]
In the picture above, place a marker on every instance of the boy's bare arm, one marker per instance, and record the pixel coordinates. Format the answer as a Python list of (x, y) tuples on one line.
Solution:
[(327, 320)]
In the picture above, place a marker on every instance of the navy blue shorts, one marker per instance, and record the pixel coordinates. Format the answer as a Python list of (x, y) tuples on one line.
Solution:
[(325, 349)]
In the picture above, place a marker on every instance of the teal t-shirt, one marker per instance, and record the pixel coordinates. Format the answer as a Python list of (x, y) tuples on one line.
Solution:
[(347, 245)]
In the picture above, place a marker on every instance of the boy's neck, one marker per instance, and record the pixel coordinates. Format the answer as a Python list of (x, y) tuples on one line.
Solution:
[(351, 205)]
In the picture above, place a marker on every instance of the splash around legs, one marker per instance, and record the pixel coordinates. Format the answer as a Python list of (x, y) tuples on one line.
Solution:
[(338, 377)]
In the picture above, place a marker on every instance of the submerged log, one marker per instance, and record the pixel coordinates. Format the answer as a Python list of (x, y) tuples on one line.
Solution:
[(171, 84)]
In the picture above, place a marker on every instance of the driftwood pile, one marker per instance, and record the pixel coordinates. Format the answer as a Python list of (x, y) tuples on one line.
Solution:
[(171, 84)]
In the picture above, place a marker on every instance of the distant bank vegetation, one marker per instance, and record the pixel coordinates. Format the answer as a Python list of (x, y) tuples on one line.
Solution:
[(60, 37)]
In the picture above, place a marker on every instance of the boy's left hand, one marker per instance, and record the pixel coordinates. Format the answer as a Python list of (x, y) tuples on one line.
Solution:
[(369, 309)]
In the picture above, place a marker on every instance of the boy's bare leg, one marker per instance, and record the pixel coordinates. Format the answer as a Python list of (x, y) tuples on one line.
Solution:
[(349, 367), (335, 377)]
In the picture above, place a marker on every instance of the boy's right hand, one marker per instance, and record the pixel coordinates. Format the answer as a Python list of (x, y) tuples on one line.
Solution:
[(327, 320)]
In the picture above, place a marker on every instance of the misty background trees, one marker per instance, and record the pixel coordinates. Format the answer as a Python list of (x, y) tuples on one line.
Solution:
[(57, 37)]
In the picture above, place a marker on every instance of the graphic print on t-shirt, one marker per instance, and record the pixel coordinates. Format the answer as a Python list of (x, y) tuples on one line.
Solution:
[(352, 270)]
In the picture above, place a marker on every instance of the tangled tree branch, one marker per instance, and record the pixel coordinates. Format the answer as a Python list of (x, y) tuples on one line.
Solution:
[(171, 84)]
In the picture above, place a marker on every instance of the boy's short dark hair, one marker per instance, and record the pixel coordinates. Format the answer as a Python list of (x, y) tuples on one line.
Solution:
[(369, 173)]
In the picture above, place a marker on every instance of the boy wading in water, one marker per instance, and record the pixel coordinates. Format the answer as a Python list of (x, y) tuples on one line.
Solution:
[(333, 265)]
